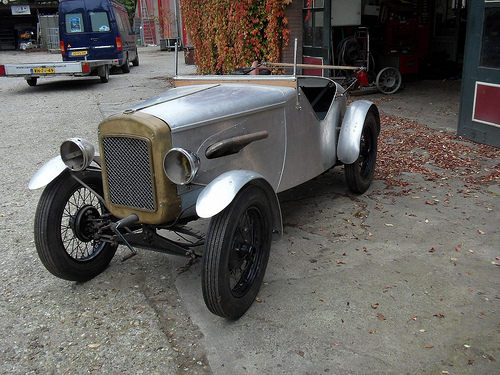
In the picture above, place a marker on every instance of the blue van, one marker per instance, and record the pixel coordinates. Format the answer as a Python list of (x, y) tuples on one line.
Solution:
[(97, 30)]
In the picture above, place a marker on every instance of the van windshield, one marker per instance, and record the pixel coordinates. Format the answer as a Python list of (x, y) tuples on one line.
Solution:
[(99, 21), (74, 23)]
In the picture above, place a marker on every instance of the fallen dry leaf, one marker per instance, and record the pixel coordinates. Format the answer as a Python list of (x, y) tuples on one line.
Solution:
[(439, 315), (374, 306), (94, 346), (432, 250), (381, 317), (372, 332), (480, 231), (428, 346)]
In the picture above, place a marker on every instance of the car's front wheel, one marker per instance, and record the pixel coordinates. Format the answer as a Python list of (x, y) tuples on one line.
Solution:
[(359, 174), (67, 220), (236, 254)]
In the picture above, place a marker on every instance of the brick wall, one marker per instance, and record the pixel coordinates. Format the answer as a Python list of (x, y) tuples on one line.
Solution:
[(294, 15)]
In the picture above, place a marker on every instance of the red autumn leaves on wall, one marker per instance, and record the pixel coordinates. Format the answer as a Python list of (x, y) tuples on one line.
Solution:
[(228, 34)]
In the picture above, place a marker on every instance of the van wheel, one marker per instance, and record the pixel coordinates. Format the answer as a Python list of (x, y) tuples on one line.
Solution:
[(135, 62), (126, 66)]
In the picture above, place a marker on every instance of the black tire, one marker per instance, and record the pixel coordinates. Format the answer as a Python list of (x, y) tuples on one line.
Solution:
[(32, 81), (135, 61), (236, 253), (66, 219), (359, 174), (104, 74), (126, 65)]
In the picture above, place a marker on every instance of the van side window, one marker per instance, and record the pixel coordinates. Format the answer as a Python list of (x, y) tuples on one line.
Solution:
[(99, 21), (74, 23)]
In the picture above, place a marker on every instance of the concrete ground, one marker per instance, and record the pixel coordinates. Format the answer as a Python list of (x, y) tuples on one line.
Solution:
[(401, 280)]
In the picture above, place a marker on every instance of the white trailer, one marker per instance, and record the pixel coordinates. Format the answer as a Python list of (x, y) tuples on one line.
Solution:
[(32, 71)]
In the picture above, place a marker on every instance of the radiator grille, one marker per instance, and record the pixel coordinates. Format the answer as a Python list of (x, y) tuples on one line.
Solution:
[(128, 169)]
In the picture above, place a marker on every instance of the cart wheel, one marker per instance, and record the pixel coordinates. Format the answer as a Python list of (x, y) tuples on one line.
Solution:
[(236, 254), (104, 73), (32, 81), (388, 80)]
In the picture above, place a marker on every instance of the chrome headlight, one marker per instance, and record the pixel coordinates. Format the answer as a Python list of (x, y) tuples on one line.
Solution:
[(181, 165), (77, 153)]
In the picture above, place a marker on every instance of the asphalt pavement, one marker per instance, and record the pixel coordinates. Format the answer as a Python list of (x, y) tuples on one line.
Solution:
[(400, 280)]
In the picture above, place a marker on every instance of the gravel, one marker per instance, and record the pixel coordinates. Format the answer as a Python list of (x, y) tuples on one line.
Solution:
[(124, 321)]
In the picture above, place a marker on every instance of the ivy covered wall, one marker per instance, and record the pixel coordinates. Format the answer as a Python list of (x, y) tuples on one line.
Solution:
[(231, 34)]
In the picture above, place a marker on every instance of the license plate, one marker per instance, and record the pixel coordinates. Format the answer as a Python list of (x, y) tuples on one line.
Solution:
[(78, 53), (43, 71)]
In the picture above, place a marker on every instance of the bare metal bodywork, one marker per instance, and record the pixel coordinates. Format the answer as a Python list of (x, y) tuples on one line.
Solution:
[(296, 142), (202, 150)]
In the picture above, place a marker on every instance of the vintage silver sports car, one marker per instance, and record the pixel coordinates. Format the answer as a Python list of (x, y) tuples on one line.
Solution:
[(218, 147)]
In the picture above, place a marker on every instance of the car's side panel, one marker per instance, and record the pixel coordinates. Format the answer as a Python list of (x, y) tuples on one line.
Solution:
[(222, 113), (311, 143)]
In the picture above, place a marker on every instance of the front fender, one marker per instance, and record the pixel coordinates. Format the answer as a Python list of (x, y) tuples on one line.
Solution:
[(47, 173), (219, 194), (50, 171), (352, 127)]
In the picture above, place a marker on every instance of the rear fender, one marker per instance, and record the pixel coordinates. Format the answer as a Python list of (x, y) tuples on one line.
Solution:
[(352, 127), (219, 194)]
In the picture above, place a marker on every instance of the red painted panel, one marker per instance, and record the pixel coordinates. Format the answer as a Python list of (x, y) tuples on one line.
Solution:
[(313, 61), (487, 103)]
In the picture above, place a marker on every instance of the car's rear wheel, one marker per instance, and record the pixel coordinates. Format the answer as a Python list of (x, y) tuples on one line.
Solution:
[(359, 174), (135, 61), (236, 254), (67, 221)]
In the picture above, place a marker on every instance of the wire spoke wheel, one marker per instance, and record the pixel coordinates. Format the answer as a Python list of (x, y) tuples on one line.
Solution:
[(79, 223), (388, 80), (68, 221)]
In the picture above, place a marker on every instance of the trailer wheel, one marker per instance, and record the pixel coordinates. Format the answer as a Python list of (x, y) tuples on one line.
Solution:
[(104, 73), (32, 81)]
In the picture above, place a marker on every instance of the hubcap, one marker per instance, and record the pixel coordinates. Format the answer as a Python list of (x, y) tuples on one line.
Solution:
[(83, 223)]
